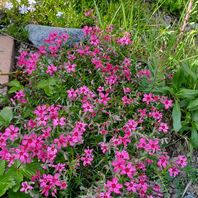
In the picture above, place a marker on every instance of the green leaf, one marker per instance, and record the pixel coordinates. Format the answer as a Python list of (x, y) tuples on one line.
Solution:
[(193, 105), (176, 116), (194, 115), (194, 138), (47, 86), (18, 194), (15, 174), (14, 83), (6, 116), (28, 170), (188, 71), (178, 78), (2, 166), (6, 182), (13, 89), (15, 86), (187, 93), (5, 186)]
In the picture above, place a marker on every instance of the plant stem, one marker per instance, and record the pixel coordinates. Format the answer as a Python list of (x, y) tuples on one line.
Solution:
[(185, 23)]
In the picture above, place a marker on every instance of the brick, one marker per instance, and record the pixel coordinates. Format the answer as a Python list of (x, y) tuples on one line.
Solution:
[(6, 59)]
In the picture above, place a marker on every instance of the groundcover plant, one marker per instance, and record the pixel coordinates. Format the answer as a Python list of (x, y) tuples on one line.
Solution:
[(81, 127)]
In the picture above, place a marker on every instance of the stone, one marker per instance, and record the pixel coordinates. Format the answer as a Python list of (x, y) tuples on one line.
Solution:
[(38, 33), (6, 60), (189, 195)]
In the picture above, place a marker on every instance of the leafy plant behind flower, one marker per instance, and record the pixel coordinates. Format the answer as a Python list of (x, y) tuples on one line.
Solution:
[(184, 89)]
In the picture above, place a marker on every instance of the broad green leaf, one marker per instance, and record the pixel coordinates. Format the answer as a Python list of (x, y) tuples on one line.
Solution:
[(4, 186), (194, 138), (17, 176), (176, 116), (15, 86), (6, 116), (195, 125), (178, 78), (13, 89), (194, 115), (18, 194), (47, 86), (187, 93), (28, 170), (188, 70), (14, 83), (6, 182), (193, 105), (2, 166)]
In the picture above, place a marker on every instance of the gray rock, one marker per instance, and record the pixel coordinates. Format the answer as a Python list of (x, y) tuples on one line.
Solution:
[(38, 33), (189, 195)]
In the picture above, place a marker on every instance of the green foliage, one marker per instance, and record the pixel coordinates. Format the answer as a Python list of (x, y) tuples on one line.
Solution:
[(2, 167), (6, 116), (184, 89), (12, 178), (18, 194), (194, 137), (48, 86), (176, 115), (14, 86)]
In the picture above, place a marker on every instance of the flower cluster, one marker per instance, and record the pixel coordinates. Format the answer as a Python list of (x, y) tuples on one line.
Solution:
[(94, 122)]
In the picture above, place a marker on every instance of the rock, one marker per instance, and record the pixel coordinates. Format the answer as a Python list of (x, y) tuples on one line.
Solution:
[(38, 33), (189, 195)]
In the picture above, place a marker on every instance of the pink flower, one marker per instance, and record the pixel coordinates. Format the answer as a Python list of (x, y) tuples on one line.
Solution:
[(142, 143), (163, 161), (11, 132), (127, 62), (113, 186), (41, 110), (42, 49), (87, 107), (70, 67), (181, 161), (59, 167), (173, 171), (163, 127), (51, 69), (131, 125), (167, 103), (53, 50), (72, 94), (148, 98), (131, 186), (118, 165), (125, 40), (87, 157), (60, 122), (94, 40), (20, 96), (126, 100), (22, 155), (105, 195), (63, 185), (25, 187), (122, 155), (156, 115), (126, 89), (153, 146), (104, 147), (128, 169), (104, 98)]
